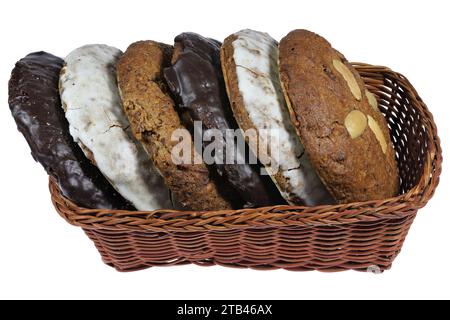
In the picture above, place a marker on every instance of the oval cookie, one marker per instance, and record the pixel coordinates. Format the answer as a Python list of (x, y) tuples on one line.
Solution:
[(98, 124), (153, 118), (346, 139), (250, 66)]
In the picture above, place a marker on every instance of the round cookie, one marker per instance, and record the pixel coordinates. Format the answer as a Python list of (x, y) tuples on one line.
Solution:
[(346, 139), (195, 79), (250, 67), (153, 118), (36, 107), (98, 124)]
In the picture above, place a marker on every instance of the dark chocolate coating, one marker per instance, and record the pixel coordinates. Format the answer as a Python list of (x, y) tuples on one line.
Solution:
[(36, 107), (196, 82)]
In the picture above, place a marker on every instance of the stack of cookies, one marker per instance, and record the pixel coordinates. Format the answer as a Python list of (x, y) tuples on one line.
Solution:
[(150, 128)]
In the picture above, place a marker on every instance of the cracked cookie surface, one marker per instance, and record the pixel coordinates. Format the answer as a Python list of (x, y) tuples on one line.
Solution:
[(153, 117), (98, 124), (355, 160), (250, 66)]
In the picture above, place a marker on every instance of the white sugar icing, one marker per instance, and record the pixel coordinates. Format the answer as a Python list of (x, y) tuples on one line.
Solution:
[(98, 123), (256, 57)]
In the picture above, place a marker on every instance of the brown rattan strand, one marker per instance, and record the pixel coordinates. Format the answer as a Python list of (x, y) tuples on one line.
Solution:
[(326, 238)]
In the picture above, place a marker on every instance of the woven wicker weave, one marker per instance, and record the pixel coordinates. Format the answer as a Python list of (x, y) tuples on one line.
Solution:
[(327, 238)]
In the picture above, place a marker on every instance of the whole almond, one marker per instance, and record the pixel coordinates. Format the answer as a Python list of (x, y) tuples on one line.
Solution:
[(372, 100), (349, 78), (355, 123), (373, 125)]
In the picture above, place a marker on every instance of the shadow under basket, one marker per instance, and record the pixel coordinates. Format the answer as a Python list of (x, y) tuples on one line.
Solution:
[(364, 236)]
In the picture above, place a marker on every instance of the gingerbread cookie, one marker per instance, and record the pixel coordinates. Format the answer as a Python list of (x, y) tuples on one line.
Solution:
[(347, 140), (98, 124), (154, 119), (36, 107), (250, 66), (195, 79)]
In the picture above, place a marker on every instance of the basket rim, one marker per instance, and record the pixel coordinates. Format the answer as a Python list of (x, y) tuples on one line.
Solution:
[(280, 215)]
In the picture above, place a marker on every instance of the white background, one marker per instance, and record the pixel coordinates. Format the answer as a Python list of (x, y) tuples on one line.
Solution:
[(41, 256)]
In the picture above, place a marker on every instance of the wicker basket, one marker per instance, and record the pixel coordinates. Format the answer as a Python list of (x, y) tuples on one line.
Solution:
[(357, 236)]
